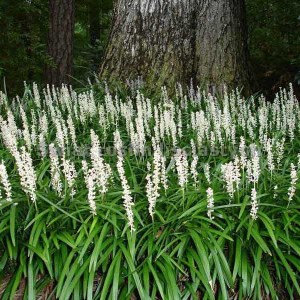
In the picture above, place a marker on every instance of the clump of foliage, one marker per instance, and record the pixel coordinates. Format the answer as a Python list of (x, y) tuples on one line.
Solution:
[(274, 42), (24, 38), (23, 42), (110, 197)]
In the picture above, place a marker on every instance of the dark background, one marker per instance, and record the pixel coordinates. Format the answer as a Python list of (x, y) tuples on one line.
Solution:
[(274, 42)]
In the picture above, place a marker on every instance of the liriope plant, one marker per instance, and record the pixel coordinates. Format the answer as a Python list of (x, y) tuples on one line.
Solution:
[(104, 197)]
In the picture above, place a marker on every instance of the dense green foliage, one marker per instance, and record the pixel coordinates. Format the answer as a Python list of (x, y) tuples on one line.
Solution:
[(23, 42), (274, 41), (240, 245)]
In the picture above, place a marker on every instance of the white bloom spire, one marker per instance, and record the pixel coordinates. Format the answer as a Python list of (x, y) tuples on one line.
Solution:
[(55, 170), (127, 197), (294, 178), (101, 169), (155, 178), (5, 182), (210, 202), (182, 167), (90, 181), (254, 204), (26, 172)]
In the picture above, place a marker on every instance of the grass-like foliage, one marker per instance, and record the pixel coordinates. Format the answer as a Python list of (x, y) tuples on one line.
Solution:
[(125, 197)]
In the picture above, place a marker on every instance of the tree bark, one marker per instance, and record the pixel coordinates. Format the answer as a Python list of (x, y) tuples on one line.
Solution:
[(60, 41), (170, 41)]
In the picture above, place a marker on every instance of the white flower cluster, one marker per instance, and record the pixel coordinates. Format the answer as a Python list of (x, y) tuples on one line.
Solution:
[(71, 128), (101, 169), (270, 127), (270, 156), (182, 167), (9, 136), (254, 204), (43, 133), (55, 170), (155, 178), (70, 174), (60, 135), (275, 191), (210, 202), (242, 150), (294, 178), (97, 177), (194, 163), (5, 182), (253, 168), (89, 177), (127, 197), (207, 172), (279, 146), (27, 173), (231, 175)]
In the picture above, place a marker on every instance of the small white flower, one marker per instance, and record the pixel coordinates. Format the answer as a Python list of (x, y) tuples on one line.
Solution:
[(253, 168), (279, 150), (60, 135), (210, 202), (44, 126), (271, 165), (179, 124), (9, 137), (231, 176), (237, 175), (194, 163), (55, 170), (254, 204), (127, 197), (207, 172), (243, 156), (71, 128), (275, 191), (70, 174), (118, 142), (90, 178), (155, 178), (33, 128), (5, 182), (42, 145), (182, 167), (150, 192), (100, 168), (294, 178), (26, 172), (36, 98)]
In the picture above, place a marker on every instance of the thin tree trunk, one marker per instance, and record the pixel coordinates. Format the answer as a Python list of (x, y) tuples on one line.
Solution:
[(60, 41), (173, 41)]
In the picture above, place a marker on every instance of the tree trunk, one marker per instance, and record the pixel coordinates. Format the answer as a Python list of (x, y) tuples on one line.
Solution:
[(60, 41), (172, 41)]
